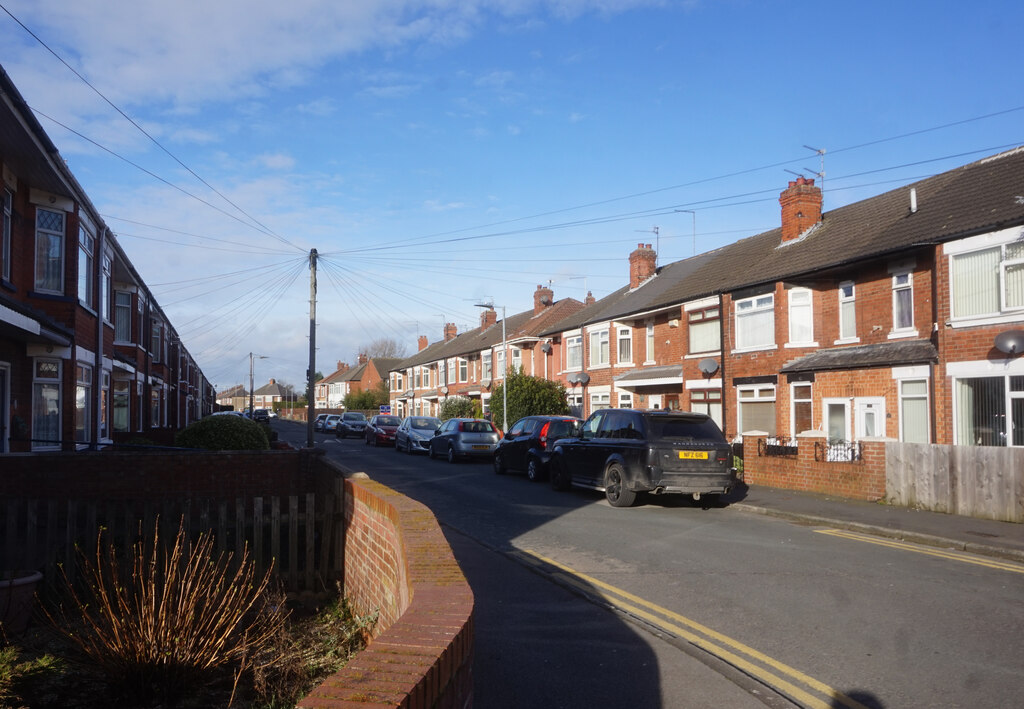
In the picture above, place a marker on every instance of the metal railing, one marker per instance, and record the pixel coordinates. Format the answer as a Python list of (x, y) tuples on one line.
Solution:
[(782, 446), (837, 450)]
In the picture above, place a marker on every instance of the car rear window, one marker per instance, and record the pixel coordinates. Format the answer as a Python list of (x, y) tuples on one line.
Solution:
[(684, 428), (354, 416), (561, 429), (477, 427), (423, 423), (389, 421)]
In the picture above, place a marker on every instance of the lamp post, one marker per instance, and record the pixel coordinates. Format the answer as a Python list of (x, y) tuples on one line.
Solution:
[(251, 395), (694, 214), (504, 374)]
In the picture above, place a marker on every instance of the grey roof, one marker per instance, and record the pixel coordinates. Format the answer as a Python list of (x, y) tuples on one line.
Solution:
[(670, 371), (524, 324), (886, 354), (983, 196)]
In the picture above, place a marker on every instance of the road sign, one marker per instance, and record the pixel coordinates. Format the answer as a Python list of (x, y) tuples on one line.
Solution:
[(385, 408)]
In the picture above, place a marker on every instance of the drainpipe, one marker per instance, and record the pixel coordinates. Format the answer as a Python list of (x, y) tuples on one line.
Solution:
[(97, 370)]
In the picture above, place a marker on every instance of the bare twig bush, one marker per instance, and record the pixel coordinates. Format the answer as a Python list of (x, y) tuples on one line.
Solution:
[(167, 620)]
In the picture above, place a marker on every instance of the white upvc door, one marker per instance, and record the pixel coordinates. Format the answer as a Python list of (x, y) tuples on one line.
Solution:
[(869, 417)]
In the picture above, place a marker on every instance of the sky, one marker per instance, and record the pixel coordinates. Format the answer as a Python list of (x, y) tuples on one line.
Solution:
[(443, 153)]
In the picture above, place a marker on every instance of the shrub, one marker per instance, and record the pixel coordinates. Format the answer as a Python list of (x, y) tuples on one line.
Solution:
[(370, 400), (457, 407), (527, 396), (175, 622), (223, 433)]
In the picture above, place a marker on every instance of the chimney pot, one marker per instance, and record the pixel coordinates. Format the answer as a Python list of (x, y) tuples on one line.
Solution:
[(801, 207)]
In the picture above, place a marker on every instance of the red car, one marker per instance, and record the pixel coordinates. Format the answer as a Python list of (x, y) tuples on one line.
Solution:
[(381, 430)]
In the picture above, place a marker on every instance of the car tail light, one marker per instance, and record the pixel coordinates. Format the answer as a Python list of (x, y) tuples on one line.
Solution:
[(544, 435)]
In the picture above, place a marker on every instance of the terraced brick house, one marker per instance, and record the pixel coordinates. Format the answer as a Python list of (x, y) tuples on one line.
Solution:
[(87, 356)]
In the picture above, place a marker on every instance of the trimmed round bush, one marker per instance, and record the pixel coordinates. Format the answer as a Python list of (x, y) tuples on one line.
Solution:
[(223, 433)]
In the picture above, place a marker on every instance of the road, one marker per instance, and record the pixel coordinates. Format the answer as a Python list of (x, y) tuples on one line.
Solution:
[(785, 614)]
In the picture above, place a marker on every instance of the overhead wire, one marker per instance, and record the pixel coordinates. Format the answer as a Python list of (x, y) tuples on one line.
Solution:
[(266, 230)]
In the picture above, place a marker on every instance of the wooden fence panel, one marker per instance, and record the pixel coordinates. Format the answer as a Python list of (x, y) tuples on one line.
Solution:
[(49, 535), (974, 481)]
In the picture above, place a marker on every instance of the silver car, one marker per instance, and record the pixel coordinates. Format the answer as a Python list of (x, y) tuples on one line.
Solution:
[(415, 433), (464, 438)]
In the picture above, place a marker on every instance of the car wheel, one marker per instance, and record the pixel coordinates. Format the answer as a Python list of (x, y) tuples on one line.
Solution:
[(559, 477), (615, 487), (499, 464), (451, 455), (533, 470)]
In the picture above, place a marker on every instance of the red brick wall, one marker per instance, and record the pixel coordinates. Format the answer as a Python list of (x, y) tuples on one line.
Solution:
[(398, 561), (859, 480)]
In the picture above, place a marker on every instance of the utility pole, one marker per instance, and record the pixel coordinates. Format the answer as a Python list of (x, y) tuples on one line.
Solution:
[(251, 393), (310, 373)]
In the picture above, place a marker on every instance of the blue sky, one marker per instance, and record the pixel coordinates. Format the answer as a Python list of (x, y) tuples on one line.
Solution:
[(439, 153)]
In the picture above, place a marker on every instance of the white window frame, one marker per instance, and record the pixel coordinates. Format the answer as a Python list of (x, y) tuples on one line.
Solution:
[(47, 381), (793, 401), (801, 310), (899, 286), (574, 351), (707, 317), (761, 394), (6, 204), (83, 402), (47, 237), (499, 363), (903, 397), (625, 400), (463, 370), (847, 301), (748, 309), (599, 340), (649, 338), (86, 261), (1001, 241), (486, 371), (623, 336)]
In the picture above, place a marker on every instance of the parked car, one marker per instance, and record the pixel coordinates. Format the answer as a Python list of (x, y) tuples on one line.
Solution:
[(331, 423), (528, 444), (318, 422), (415, 432), (261, 416), (464, 438), (228, 413), (622, 452), (381, 430), (351, 423)]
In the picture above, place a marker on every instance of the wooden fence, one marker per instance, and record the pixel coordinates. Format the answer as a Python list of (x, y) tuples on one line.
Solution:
[(975, 481), (300, 536)]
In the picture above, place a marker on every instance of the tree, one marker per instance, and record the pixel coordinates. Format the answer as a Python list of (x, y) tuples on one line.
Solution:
[(384, 348), (527, 396), (458, 407), (369, 399)]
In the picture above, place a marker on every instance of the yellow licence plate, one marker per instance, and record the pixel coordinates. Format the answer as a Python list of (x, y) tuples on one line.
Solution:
[(480, 448), (693, 455)]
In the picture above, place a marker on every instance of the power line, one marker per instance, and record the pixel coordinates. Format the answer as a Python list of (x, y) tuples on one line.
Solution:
[(142, 130)]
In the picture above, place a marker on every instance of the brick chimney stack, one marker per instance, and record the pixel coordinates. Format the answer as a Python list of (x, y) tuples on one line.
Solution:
[(488, 317), (642, 264), (801, 207), (450, 331), (542, 298), (423, 342), (590, 299), (362, 358)]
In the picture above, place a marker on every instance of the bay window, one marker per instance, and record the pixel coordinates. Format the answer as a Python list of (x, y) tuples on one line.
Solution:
[(756, 408), (989, 411), (988, 281)]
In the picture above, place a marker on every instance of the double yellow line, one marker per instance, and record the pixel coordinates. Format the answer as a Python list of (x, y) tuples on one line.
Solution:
[(929, 551), (799, 687)]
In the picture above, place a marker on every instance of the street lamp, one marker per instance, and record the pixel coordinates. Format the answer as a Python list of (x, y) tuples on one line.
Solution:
[(504, 374), (251, 357)]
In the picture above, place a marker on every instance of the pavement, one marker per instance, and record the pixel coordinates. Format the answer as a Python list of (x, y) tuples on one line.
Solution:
[(1004, 540)]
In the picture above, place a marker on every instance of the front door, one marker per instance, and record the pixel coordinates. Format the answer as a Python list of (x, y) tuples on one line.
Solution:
[(869, 417)]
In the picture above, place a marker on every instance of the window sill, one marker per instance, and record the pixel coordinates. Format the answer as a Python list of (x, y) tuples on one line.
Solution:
[(624, 365), (798, 345), (599, 366), (761, 348), (986, 320), (902, 334), (847, 341)]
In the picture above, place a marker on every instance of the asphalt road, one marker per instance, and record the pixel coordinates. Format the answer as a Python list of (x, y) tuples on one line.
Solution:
[(714, 607)]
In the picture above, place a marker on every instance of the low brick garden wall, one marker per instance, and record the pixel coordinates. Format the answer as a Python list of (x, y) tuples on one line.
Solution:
[(399, 563), (806, 469)]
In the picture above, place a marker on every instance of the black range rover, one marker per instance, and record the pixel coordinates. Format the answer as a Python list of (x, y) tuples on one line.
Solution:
[(622, 452)]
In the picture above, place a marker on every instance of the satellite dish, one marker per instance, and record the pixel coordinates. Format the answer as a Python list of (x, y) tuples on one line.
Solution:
[(546, 347), (1010, 342), (707, 366)]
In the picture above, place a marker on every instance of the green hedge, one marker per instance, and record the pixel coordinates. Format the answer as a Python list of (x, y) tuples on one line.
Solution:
[(224, 433)]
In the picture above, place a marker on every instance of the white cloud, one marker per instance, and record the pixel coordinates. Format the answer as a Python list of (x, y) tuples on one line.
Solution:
[(277, 161)]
